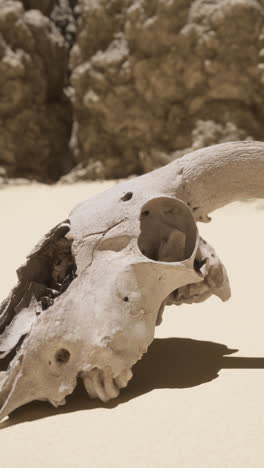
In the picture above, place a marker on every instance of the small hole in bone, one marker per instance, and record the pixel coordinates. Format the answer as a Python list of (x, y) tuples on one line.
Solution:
[(62, 356), (145, 213), (125, 299), (127, 196)]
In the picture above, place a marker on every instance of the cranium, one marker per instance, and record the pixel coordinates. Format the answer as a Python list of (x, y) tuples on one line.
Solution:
[(91, 293)]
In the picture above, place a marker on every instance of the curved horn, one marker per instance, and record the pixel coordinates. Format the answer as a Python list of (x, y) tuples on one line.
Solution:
[(212, 177)]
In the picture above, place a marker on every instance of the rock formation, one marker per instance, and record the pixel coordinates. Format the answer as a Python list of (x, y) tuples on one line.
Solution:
[(149, 81), (35, 113), (157, 76)]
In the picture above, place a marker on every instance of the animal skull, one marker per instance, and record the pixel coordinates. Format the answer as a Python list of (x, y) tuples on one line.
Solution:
[(91, 293)]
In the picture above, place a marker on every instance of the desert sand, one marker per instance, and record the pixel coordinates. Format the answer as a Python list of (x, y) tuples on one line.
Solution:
[(192, 403)]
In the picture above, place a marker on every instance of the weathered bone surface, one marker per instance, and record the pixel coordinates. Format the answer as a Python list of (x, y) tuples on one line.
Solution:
[(91, 293)]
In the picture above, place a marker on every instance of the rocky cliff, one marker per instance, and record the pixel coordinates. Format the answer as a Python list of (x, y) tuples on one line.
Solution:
[(118, 87)]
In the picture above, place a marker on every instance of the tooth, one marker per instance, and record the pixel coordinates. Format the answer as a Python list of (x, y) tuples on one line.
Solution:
[(123, 378), (129, 374), (110, 389), (89, 386), (57, 403), (98, 386)]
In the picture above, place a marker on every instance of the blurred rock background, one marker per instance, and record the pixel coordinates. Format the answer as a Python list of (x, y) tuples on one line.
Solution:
[(111, 88)]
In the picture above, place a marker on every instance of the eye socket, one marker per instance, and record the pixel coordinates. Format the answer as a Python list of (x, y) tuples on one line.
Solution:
[(62, 356), (125, 299), (168, 230)]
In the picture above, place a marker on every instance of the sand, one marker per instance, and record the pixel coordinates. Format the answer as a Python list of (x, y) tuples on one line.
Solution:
[(188, 406)]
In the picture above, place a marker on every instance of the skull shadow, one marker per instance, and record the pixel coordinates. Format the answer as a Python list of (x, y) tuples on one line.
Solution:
[(171, 363)]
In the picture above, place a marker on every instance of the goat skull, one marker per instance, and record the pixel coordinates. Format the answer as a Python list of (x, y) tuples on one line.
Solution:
[(91, 293)]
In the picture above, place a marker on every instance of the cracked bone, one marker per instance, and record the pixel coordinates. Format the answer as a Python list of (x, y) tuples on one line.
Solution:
[(92, 291)]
